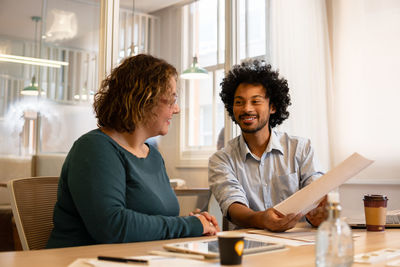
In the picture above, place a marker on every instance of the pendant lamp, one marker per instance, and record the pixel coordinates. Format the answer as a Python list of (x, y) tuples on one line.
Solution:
[(33, 89), (194, 72), (64, 26)]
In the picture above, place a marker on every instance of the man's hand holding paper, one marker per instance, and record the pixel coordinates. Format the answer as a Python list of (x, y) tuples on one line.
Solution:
[(317, 215), (277, 222)]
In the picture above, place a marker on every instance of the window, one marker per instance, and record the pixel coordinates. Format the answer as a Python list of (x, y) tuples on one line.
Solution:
[(202, 116), (203, 113), (252, 21)]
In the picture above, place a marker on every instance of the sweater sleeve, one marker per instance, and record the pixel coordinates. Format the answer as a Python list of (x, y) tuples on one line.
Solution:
[(96, 179)]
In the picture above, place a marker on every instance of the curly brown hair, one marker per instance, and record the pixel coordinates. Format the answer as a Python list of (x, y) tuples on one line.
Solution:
[(127, 96)]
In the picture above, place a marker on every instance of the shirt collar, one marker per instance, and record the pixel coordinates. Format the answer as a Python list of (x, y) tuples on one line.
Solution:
[(244, 149), (273, 144)]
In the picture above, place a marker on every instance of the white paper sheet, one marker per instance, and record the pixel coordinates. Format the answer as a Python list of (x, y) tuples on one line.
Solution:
[(157, 261), (304, 200)]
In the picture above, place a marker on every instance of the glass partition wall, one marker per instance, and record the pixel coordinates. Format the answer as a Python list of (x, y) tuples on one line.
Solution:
[(49, 68), (48, 73)]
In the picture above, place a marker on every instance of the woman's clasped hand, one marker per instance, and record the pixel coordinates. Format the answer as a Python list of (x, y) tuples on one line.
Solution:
[(209, 222)]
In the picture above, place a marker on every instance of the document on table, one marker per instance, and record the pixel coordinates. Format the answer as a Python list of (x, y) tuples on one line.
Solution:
[(305, 199), (297, 236), (263, 235), (152, 261)]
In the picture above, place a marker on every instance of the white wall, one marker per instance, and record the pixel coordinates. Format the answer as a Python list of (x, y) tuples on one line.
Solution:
[(352, 197), (366, 62), (365, 42)]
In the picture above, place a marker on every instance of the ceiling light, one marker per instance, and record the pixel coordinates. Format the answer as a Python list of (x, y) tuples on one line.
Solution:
[(32, 89), (64, 26), (194, 72), (33, 61)]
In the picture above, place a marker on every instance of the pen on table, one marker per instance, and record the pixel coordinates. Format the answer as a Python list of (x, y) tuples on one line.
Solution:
[(126, 260), (177, 255)]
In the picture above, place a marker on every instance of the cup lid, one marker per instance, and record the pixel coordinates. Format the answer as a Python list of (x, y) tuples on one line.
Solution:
[(375, 197), (230, 234)]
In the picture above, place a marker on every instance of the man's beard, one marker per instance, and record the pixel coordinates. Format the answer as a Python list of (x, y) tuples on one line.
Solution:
[(258, 128)]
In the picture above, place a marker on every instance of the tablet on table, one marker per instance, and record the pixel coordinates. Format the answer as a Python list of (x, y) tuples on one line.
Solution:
[(209, 248)]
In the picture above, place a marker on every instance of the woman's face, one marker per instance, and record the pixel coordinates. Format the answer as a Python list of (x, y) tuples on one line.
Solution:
[(164, 110)]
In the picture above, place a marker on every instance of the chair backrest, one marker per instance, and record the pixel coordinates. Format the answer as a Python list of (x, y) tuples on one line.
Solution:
[(193, 198), (32, 203)]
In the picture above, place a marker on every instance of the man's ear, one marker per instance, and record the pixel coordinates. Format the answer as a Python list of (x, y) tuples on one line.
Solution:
[(272, 109)]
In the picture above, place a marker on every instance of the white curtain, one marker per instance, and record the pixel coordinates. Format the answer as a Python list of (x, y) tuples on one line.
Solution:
[(300, 50), (366, 56)]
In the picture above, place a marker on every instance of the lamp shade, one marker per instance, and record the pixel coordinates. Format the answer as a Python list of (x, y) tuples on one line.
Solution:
[(195, 72), (32, 89), (64, 26)]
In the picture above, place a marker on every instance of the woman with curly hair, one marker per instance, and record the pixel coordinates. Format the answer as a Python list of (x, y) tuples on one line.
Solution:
[(113, 186), (262, 166)]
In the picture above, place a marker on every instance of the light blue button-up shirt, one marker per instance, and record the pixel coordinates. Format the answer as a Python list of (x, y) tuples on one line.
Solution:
[(237, 175)]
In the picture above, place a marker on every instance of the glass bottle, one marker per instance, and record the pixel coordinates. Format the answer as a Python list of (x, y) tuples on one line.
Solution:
[(334, 242)]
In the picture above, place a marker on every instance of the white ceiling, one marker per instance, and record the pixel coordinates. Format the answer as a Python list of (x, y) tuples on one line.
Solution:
[(148, 6), (16, 23)]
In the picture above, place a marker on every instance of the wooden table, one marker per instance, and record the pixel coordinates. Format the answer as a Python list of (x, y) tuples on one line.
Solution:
[(294, 256)]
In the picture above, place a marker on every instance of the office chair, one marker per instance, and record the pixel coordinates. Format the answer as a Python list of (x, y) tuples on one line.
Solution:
[(32, 203), (191, 199)]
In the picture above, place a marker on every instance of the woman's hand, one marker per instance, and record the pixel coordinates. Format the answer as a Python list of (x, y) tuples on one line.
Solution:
[(208, 227), (211, 221)]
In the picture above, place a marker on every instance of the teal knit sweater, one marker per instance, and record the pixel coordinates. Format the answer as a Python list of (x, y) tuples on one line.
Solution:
[(107, 195)]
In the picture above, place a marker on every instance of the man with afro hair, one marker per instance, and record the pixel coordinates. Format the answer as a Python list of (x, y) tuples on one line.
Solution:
[(262, 166)]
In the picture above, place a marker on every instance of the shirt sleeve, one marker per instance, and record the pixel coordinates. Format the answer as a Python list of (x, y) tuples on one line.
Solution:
[(96, 179), (223, 182), (310, 168)]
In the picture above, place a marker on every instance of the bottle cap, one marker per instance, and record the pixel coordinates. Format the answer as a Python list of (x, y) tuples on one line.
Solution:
[(333, 197)]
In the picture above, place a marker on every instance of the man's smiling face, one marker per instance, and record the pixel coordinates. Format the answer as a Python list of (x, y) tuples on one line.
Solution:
[(251, 108)]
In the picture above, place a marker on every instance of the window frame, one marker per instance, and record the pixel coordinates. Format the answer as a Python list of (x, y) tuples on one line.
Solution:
[(197, 156)]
